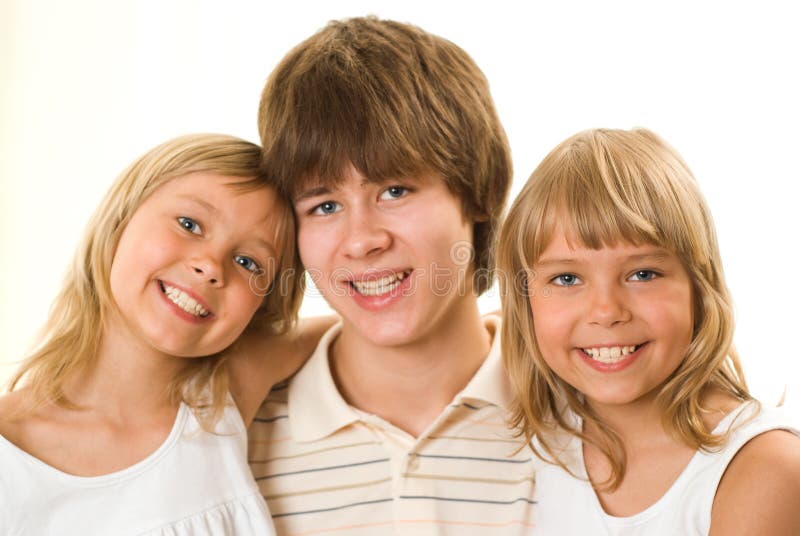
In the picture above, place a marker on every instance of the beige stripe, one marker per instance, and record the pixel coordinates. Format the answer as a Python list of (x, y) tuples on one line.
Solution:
[(484, 439), (467, 479), (414, 522), (310, 452), (491, 422), (323, 490)]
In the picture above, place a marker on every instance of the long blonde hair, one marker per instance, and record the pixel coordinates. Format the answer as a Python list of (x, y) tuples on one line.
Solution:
[(612, 186), (70, 339)]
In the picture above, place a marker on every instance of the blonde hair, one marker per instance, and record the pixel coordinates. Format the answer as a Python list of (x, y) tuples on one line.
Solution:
[(394, 101), (69, 340), (615, 186)]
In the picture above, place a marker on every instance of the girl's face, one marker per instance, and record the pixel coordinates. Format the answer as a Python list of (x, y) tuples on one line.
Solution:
[(614, 323), (189, 265)]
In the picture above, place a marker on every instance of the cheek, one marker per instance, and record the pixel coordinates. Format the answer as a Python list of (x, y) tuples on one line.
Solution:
[(312, 245), (246, 302), (672, 318), (552, 327)]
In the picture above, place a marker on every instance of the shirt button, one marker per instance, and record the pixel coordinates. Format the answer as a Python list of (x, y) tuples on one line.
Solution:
[(413, 462)]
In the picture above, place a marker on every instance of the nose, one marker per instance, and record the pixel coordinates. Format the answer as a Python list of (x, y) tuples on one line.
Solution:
[(206, 268), (608, 306), (365, 233)]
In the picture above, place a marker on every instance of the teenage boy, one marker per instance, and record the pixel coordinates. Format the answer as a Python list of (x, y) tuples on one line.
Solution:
[(386, 140)]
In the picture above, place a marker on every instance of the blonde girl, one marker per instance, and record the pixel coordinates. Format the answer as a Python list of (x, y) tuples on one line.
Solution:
[(121, 421), (617, 336)]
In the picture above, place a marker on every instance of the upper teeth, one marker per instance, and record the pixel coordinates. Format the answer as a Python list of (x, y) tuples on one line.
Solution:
[(184, 301), (609, 354), (377, 287)]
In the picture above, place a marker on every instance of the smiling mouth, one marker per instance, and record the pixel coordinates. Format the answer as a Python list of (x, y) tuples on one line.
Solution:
[(610, 354), (183, 300), (381, 286)]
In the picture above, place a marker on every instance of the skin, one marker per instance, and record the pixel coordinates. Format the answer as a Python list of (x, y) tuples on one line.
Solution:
[(209, 239), (403, 357), (631, 295), (615, 296)]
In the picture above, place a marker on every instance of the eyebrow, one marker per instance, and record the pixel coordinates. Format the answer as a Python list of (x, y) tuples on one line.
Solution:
[(655, 255), (312, 192), (267, 246), (203, 203), (325, 190)]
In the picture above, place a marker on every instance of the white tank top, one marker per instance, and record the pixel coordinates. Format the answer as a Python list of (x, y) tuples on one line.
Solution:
[(568, 506), (194, 484)]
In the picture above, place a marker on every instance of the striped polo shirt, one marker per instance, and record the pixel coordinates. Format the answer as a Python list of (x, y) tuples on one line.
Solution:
[(325, 467)]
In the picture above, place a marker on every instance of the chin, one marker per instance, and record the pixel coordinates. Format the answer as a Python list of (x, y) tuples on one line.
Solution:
[(390, 335)]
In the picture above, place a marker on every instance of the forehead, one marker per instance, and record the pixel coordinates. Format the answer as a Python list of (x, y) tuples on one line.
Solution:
[(246, 202)]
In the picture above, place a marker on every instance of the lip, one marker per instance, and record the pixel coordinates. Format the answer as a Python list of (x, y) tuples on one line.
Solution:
[(177, 310), (375, 275), (612, 367), (385, 301)]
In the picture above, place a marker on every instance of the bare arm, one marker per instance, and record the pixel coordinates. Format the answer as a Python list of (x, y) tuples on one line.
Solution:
[(258, 361), (760, 490)]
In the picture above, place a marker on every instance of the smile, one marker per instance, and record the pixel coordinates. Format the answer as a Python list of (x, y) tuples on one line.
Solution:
[(610, 354), (183, 300), (379, 287)]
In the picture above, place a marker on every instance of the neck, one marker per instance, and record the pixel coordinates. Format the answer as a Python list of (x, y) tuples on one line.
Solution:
[(410, 385), (127, 377), (635, 421), (640, 420)]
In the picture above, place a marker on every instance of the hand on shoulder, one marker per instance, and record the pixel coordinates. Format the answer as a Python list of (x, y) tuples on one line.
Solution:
[(759, 492), (259, 360)]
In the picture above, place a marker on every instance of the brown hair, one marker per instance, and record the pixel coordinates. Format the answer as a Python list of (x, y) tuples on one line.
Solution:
[(393, 101), (70, 338), (611, 186)]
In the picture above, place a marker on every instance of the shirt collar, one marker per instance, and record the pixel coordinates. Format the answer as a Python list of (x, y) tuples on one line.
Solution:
[(317, 409), (490, 384)]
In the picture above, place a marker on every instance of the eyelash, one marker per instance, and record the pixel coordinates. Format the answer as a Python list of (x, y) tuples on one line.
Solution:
[(255, 266), (191, 226), (186, 222), (555, 280), (653, 274), (558, 280), (335, 206), (404, 191), (317, 209)]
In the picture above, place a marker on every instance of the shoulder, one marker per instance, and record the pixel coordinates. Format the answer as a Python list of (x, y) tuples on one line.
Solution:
[(766, 467), (11, 419), (259, 360)]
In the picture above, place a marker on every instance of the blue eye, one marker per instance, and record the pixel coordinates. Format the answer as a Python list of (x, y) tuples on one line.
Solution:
[(643, 275), (247, 263), (190, 225), (328, 207), (394, 192), (566, 280)]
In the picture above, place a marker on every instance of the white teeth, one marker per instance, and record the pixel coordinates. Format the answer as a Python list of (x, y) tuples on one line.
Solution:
[(609, 354), (378, 287), (184, 301)]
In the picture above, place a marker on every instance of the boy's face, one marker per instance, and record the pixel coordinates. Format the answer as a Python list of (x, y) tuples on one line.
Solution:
[(393, 259)]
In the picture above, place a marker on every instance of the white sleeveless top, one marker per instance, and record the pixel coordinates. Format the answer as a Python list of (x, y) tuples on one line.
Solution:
[(195, 484), (568, 506)]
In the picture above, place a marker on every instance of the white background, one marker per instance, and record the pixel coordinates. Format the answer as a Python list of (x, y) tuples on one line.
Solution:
[(87, 86)]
